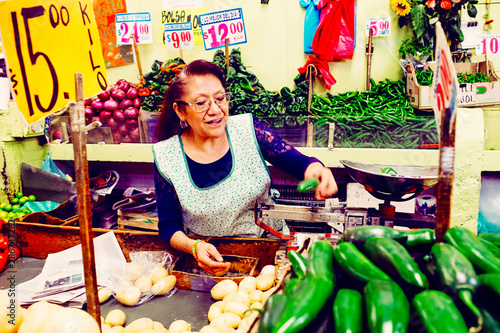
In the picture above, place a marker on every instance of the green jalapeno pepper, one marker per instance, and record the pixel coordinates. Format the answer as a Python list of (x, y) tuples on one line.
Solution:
[(308, 184), (348, 311), (298, 262), (359, 235)]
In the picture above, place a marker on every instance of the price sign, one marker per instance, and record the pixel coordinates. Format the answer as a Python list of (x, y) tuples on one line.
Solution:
[(489, 43), (381, 26), (46, 43), (185, 15), (218, 26), (178, 36), (138, 24)]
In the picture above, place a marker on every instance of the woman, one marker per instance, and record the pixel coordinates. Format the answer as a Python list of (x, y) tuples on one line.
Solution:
[(209, 168)]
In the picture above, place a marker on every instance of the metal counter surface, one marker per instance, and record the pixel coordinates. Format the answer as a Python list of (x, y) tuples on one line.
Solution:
[(188, 305)]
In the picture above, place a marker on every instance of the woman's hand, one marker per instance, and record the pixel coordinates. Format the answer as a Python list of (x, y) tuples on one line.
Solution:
[(210, 260), (327, 186)]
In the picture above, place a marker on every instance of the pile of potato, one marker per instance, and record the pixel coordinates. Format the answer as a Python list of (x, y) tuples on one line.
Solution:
[(115, 321), (139, 283)]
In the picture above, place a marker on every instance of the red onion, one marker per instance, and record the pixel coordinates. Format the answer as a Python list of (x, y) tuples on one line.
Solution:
[(131, 123), (134, 133), (127, 139), (118, 94), (131, 113), (126, 103), (105, 114), (89, 112), (137, 102), (96, 118), (87, 101), (132, 93), (117, 137), (123, 85), (96, 105), (103, 96), (113, 124), (110, 105), (122, 129), (119, 116)]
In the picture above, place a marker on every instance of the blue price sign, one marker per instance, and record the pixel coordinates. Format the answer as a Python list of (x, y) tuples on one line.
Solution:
[(218, 26), (178, 36)]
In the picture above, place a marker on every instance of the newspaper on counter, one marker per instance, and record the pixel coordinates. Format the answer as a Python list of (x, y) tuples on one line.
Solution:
[(62, 277)]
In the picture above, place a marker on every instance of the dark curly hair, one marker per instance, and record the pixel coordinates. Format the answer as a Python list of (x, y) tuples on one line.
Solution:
[(169, 123)]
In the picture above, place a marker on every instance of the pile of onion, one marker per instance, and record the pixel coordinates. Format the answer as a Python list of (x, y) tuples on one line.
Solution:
[(118, 108)]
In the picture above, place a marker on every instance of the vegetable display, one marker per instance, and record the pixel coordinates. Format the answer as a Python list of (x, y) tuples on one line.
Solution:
[(379, 285), (117, 108)]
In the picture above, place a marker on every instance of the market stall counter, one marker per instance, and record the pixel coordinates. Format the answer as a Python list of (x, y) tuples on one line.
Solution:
[(189, 305)]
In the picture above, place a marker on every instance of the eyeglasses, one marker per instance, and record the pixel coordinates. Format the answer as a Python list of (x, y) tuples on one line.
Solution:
[(203, 105)]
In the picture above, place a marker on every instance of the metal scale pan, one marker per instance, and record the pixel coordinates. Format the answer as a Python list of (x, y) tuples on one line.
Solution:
[(392, 182)]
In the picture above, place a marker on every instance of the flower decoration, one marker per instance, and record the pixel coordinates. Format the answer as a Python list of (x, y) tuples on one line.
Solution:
[(401, 7), (421, 15)]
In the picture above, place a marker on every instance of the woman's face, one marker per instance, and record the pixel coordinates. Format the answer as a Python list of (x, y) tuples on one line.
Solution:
[(212, 122)]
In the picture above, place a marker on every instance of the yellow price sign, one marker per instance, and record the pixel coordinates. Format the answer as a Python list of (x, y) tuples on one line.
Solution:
[(46, 43)]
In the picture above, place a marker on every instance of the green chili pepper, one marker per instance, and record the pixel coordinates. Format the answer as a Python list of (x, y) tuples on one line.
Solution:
[(320, 263), (420, 240), (438, 313), (272, 311), (298, 262), (470, 246), (457, 274), (348, 311), (359, 235), (492, 237), (392, 258), (387, 308), (308, 184)]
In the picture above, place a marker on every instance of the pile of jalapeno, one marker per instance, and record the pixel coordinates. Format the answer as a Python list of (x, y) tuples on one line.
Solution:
[(379, 279)]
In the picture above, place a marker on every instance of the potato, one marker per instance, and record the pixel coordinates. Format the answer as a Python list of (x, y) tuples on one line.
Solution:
[(129, 296), (115, 317), (214, 311), (116, 329), (158, 273), (105, 327), (256, 296), (256, 305), (265, 282), (240, 296), (268, 270), (227, 318), (103, 294), (133, 271), (228, 296), (179, 326), (144, 284), (225, 329), (157, 326), (235, 307), (164, 285), (248, 284), (223, 288), (210, 329), (139, 325)]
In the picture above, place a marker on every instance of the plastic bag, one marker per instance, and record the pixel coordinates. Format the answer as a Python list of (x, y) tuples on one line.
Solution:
[(146, 276), (50, 166)]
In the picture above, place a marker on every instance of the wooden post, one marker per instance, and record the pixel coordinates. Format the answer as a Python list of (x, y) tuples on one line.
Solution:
[(83, 198), (138, 57), (226, 50), (369, 52)]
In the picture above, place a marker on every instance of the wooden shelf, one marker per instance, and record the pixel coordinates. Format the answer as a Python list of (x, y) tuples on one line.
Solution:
[(143, 153)]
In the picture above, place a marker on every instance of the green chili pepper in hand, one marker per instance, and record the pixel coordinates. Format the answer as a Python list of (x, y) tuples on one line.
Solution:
[(308, 184)]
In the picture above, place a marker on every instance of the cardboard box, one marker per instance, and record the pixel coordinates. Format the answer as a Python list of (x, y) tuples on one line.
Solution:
[(470, 94), (137, 220)]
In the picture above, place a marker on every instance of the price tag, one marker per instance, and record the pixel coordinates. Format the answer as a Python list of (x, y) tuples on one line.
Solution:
[(178, 36), (186, 15), (218, 26), (138, 24), (488, 44), (46, 43), (381, 26)]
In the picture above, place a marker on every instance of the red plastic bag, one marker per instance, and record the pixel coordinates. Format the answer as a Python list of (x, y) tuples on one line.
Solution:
[(334, 38), (322, 66)]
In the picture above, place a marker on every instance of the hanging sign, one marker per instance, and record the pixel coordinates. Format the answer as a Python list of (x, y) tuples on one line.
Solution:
[(46, 43), (138, 24), (178, 36), (185, 15), (488, 44), (381, 26), (218, 26), (445, 82)]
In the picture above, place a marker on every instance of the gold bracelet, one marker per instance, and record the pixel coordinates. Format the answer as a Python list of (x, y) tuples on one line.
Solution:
[(194, 247)]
